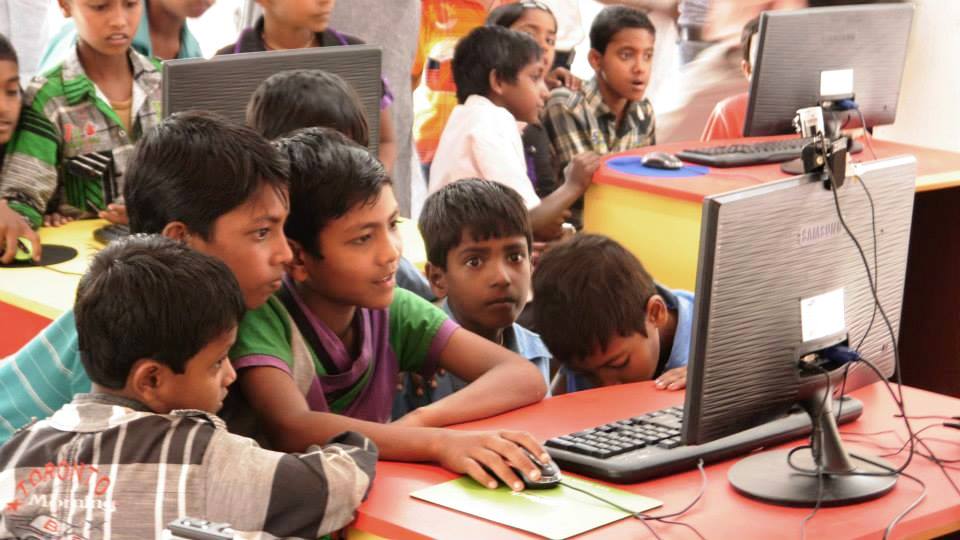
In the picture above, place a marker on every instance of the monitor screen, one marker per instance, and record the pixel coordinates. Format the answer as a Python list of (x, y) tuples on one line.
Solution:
[(831, 49), (224, 84)]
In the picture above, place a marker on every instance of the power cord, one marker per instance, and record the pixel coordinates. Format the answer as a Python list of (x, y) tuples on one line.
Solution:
[(661, 518)]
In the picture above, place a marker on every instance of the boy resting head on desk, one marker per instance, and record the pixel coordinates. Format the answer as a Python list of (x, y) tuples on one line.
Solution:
[(219, 188), (323, 355), (155, 320), (606, 321), (478, 242)]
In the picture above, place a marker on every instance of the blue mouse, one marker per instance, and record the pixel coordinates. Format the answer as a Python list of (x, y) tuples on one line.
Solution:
[(661, 160)]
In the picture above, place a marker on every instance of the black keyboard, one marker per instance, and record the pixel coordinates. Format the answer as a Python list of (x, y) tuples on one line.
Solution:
[(647, 446), (737, 155)]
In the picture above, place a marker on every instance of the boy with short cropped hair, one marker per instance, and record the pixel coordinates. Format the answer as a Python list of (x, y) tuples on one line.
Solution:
[(499, 75), (478, 242), (609, 113), (99, 100), (219, 188), (155, 320), (627, 328), (323, 354)]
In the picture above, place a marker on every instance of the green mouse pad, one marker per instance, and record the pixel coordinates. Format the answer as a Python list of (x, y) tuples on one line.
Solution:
[(554, 513)]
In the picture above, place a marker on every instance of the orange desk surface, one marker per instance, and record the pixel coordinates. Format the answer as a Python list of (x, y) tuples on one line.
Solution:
[(936, 169), (390, 512)]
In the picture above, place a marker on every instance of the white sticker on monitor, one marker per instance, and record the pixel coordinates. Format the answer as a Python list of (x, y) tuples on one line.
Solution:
[(822, 315), (837, 82)]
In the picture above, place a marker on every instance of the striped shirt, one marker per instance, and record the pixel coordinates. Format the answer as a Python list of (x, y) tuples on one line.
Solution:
[(64, 116), (579, 122), (103, 467), (41, 377)]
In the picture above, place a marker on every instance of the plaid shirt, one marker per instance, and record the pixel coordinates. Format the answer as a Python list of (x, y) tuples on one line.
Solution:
[(103, 468), (580, 121), (65, 115)]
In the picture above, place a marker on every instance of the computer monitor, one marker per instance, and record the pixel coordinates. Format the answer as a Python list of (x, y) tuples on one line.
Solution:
[(779, 278), (224, 84), (799, 49)]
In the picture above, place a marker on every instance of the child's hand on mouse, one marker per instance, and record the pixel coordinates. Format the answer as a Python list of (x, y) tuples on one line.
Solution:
[(12, 227), (115, 213), (470, 451), (673, 379)]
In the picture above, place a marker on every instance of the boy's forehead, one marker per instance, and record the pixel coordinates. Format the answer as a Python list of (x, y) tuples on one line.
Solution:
[(267, 204), (472, 239), (636, 38)]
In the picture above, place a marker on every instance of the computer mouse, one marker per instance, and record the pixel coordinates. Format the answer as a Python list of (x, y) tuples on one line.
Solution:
[(24, 250), (550, 475), (661, 160)]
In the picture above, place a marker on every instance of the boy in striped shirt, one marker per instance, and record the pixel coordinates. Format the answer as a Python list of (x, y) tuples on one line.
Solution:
[(155, 320)]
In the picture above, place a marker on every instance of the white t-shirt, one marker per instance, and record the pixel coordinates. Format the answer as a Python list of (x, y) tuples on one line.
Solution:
[(482, 140)]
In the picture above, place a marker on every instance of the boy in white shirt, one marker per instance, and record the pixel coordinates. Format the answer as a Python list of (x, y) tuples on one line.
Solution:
[(499, 77)]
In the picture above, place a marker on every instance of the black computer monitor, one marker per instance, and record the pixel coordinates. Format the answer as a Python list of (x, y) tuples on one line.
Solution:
[(224, 84), (796, 49), (778, 279)]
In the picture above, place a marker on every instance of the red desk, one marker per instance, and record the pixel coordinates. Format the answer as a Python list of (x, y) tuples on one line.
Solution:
[(390, 512), (658, 219)]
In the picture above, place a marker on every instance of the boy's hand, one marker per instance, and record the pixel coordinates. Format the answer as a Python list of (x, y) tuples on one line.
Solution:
[(469, 451), (562, 77), (55, 219), (115, 213), (579, 173), (13, 226), (674, 379)]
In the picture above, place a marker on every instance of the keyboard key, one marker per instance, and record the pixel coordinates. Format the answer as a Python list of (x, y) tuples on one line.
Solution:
[(669, 443)]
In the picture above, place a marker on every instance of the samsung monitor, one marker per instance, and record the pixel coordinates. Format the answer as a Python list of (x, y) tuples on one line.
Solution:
[(808, 56), (778, 279), (224, 84)]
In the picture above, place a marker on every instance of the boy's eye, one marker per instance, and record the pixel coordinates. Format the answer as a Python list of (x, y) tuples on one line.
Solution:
[(618, 363), (473, 262), (394, 223), (361, 240), (515, 257), (648, 56), (262, 233)]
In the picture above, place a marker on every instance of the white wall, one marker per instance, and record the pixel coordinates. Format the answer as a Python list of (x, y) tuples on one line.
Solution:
[(929, 110)]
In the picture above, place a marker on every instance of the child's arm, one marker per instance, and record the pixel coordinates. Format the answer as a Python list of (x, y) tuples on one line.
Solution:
[(284, 413), (387, 150), (544, 217), (12, 227), (673, 379), (254, 489), (502, 381)]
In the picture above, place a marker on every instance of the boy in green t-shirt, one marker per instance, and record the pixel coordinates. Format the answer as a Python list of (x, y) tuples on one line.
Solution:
[(334, 338)]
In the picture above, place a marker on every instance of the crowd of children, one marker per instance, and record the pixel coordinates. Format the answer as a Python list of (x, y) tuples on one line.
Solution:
[(268, 255)]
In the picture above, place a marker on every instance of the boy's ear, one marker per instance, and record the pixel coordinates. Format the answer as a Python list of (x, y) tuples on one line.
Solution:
[(657, 312), (296, 268), (745, 68), (496, 83), (438, 280), (64, 7), (595, 58), (176, 230), (146, 381)]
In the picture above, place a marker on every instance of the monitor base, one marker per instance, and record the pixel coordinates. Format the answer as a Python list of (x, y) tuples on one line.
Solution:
[(769, 478)]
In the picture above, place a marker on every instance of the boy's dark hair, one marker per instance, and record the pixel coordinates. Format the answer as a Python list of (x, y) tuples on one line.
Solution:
[(195, 167), (588, 290), (491, 48), (146, 296), (481, 208), (7, 52), (613, 19), (329, 175), (508, 14), (301, 98), (749, 31)]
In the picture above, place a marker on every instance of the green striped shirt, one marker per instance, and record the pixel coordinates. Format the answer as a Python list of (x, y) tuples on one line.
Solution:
[(65, 115)]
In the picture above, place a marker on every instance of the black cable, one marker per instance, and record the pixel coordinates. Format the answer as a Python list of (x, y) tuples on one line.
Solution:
[(662, 518)]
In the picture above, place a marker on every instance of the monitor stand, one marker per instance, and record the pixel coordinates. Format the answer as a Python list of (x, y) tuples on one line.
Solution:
[(768, 477)]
